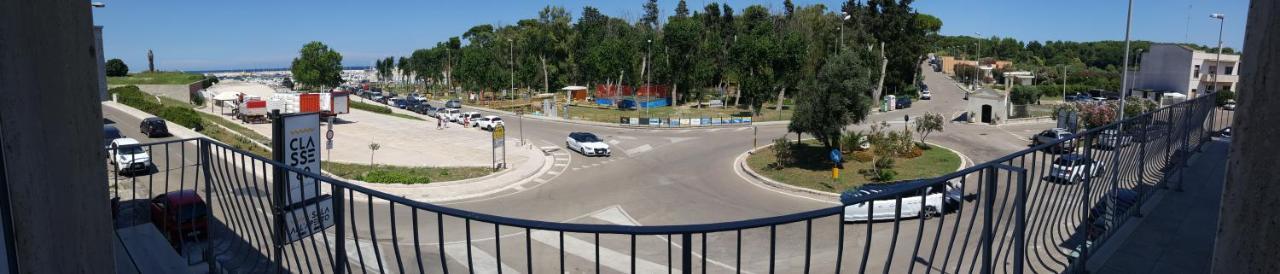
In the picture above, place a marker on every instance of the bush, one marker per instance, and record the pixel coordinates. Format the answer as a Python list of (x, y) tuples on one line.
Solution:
[(133, 97), (384, 176), (369, 107), (883, 175), (117, 68), (885, 163), (197, 99), (1222, 96), (852, 141), (782, 152), (185, 117), (863, 156)]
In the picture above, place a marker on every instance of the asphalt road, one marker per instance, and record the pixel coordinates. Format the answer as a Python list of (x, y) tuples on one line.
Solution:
[(655, 177)]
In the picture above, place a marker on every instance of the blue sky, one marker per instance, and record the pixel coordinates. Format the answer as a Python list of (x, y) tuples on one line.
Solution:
[(238, 34)]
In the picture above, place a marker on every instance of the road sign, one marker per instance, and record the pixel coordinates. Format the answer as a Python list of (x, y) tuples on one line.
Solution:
[(300, 137), (499, 140), (835, 155), (309, 219)]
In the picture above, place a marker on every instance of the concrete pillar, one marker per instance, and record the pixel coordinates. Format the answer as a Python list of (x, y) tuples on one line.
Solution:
[(1249, 225), (53, 181)]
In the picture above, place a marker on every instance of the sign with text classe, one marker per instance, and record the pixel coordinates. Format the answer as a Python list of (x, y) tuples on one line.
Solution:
[(302, 151)]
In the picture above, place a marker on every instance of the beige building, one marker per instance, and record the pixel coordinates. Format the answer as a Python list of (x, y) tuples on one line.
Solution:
[(1181, 69)]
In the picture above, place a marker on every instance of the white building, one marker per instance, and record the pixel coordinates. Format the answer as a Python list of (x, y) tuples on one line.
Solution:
[(1181, 69)]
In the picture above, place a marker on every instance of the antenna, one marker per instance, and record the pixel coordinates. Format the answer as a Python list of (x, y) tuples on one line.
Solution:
[(1186, 33)]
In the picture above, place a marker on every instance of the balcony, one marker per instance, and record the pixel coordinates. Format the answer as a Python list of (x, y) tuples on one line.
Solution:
[(1222, 78)]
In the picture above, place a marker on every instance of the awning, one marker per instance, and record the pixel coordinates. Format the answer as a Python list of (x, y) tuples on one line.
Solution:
[(574, 88), (227, 96)]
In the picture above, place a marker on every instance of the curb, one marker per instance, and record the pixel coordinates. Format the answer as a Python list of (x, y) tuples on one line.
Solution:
[(757, 179)]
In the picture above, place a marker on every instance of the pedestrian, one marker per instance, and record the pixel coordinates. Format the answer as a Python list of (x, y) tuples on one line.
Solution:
[(439, 125)]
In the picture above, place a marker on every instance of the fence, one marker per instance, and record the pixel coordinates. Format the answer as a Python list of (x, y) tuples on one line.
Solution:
[(678, 121), (1031, 111), (1043, 209)]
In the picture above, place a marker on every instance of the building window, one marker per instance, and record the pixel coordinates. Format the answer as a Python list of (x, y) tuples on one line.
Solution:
[(1209, 88), (1228, 71), (1196, 73), (1226, 87)]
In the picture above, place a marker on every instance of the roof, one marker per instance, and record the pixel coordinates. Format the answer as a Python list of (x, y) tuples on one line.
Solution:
[(183, 197), (987, 93), (126, 141)]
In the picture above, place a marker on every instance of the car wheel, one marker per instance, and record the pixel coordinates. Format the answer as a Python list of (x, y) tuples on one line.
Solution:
[(929, 212)]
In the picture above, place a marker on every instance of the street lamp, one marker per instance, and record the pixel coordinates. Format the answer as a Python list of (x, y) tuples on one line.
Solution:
[(512, 56), (1124, 76), (845, 17), (977, 61), (1222, 18), (648, 95)]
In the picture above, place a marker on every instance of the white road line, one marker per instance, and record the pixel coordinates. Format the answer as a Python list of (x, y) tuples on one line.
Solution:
[(539, 180), (625, 137), (364, 254), (613, 142), (618, 261), (482, 262), (553, 172), (618, 216), (577, 168), (714, 129), (741, 129), (638, 150), (561, 164)]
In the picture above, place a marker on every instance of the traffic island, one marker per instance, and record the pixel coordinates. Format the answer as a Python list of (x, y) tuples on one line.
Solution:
[(811, 172)]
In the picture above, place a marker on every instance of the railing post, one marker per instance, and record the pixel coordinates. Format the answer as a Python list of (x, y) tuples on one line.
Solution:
[(686, 253), (1083, 260), (279, 190), (1186, 153), (339, 232), (988, 207), (1168, 147), (1142, 166), (1020, 224), (203, 144)]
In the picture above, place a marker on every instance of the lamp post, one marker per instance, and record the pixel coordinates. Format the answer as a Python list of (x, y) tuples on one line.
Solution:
[(977, 61), (1222, 18), (648, 94), (845, 17), (1124, 77), (512, 56)]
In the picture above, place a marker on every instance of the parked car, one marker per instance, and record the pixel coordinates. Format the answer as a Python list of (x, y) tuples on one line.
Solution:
[(424, 109), (926, 95), (180, 215), (154, 127), (1113, 138), (902, 102), (399, 103), (1225, 132), (109, 133), (1052, 135), (450, 114), (1230, 105), (1072, 168), (489, 122), (587, 144), (469, 118), (938, 200), (128, 157), (453, 103)]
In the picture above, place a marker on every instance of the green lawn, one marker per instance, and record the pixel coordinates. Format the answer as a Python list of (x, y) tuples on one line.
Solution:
[(611, 115), (816, 173), (156, 78), (383, 174)]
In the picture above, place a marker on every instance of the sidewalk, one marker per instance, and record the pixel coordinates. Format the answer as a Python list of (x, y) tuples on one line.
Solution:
[(1177, 235)]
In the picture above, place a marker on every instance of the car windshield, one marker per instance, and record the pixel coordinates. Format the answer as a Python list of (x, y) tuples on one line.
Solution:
[(496, 119), (131, 150), (587, 138), (190, 212), (1068, 161)]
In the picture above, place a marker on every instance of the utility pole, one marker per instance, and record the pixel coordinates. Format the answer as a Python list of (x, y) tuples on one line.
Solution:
[(977, 61), (512, 56), (1124, 77)]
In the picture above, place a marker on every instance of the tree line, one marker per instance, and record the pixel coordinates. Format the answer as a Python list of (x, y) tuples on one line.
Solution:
[(697, 52)]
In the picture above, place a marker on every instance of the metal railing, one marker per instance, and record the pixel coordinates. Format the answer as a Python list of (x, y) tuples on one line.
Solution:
[(1037, 210)]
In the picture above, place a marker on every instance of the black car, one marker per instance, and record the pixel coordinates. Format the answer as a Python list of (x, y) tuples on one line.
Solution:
[(453, 103), (154, 127), (902, 102), (423, 108), (109, 132)]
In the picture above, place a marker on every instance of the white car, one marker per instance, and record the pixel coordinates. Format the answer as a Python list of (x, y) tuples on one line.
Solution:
[(926, 95), (489, 122), (452, 114), (938, 200), (1071, 168), (1112, 139), (587, 144), (470, 118), (1230, 105), (128, 157)]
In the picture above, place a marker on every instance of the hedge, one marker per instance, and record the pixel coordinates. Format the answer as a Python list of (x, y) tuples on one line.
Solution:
[(134, 97)]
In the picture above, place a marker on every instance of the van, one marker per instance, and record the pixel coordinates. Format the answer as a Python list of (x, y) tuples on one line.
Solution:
[(938, 200)]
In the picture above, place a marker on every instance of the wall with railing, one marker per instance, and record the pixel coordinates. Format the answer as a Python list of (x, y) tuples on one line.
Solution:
[(1047, 208)]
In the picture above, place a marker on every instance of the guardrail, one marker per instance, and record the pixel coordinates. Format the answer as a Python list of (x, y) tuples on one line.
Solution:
[(1044, 209), (679, 121)]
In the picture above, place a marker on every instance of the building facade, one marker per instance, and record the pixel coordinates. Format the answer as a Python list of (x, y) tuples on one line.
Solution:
[(1181, 69)]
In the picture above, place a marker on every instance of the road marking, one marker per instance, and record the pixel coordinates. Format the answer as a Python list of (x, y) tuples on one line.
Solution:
[(616, 215), (609, 258), (625, 137), (364, 253), (539, 180), (553, 172), (577, 168), (613, 142), (680, 139), (482, 261), (741, 129), (638, 150), (714, 129), (561, 164)]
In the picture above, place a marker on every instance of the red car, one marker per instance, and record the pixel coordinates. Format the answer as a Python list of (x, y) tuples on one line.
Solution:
[(180, 215)]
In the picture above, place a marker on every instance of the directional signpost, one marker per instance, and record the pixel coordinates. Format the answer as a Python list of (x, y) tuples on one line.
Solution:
[(835, 168)]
